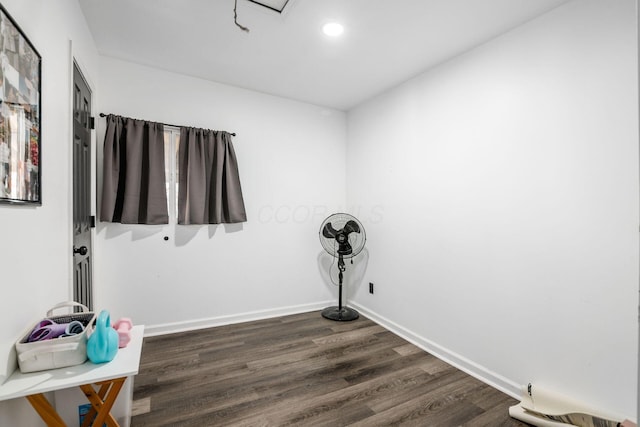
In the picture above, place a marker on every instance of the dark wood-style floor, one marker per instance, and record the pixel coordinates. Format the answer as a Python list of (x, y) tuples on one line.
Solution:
[(309, 371)]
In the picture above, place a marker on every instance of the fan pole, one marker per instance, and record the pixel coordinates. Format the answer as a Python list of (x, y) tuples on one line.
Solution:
[(340, 313), (341, 267)]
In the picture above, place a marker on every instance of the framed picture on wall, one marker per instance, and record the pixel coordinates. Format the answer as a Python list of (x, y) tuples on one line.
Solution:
[(20, 121)]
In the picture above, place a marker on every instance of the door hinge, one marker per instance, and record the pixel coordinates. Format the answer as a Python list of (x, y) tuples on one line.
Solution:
[(93, 221), (92, 122)]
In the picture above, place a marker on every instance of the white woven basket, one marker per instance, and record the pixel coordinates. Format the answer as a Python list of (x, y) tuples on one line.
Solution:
[(57, 352)]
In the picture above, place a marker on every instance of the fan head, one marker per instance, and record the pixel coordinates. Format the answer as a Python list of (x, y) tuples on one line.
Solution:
[(342, 235)]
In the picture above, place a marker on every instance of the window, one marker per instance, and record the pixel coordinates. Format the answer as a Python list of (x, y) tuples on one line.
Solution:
[(171, 145), (133, 191)]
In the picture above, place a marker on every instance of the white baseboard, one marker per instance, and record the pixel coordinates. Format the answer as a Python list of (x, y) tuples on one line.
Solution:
[(475, 370), (191, 325)]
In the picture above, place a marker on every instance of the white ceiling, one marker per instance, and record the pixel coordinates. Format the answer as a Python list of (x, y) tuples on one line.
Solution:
[(385, 42)]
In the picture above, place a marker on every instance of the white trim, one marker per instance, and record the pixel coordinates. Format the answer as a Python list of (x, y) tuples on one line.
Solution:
[(69, 145), (190, 325), (475, 370)]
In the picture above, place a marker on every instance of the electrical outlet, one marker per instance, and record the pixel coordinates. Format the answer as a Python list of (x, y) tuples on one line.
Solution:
[(370, 287)]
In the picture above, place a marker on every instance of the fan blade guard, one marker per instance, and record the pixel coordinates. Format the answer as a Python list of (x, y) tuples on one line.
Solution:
[(342, 235)]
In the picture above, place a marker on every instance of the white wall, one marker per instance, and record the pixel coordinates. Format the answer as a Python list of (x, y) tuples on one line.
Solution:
[(499, 192), (291, 158), (508, 179), (36, 242)]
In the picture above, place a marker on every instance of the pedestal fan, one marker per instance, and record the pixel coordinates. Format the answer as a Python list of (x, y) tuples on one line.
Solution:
[(343, 237)]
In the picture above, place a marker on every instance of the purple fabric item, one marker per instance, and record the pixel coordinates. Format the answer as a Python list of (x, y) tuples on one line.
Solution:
[(48, 329), (43, 323)]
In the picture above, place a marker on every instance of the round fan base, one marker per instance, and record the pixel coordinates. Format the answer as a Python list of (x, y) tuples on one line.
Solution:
[(340, 314)]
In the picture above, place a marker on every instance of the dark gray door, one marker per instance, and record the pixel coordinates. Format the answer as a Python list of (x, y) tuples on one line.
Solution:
[(82, 220)]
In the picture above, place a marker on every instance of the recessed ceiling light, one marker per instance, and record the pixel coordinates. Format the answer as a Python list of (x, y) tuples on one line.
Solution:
[(333, 29)]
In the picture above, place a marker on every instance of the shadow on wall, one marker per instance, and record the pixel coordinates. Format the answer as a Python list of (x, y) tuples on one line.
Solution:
[(137, 231), (183, 234), (353, 275)]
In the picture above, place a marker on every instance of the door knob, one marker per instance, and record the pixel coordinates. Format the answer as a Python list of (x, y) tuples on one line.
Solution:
[(82, 250)]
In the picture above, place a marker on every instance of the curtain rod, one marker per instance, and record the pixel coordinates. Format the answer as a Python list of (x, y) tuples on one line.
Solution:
[(164, 124)]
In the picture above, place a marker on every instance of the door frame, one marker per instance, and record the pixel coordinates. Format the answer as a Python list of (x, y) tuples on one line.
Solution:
[(77, 62)]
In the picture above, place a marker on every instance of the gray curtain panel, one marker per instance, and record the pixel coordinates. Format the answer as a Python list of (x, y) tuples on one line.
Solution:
[(209, 189), (133, 185)]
